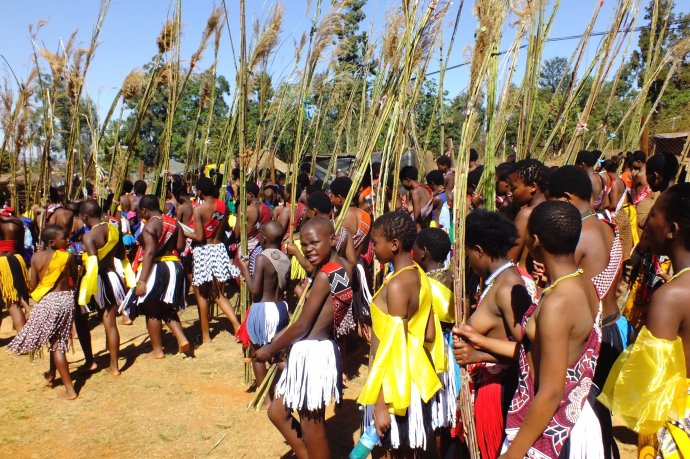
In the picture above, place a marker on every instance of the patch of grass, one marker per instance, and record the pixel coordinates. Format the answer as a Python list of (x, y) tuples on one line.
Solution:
[(8, 439), (171, 433), (19, 413)]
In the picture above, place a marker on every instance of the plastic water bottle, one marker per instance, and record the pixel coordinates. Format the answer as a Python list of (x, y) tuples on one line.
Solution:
[(366, 443)]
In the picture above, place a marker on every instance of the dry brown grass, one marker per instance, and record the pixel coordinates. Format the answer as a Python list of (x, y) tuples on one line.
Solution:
[(170, 408)]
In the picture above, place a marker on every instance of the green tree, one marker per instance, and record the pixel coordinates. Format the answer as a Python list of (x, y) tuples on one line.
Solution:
[(61, 121), (673, 111), (551, 73), (185, 123)]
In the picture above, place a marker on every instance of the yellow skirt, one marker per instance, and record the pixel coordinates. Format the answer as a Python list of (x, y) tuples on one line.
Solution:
[(13, 276)]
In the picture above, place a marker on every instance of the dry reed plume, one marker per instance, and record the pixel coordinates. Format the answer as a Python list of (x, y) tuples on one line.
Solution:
[(133, 84), (166, 37), (268, 39)]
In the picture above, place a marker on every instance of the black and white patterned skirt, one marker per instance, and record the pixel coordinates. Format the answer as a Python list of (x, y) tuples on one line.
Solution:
[(211, 261), (165, 290), (111, 290)]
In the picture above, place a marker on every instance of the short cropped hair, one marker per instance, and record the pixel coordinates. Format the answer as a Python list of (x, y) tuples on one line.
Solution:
[(139, 187), (149, 202), (570, 179), (252, 188), (91, 208), (319, 221), (491, 231), (503, 170), (397, 225), (558, 225), (474, 156), (319, 200), (314, 187), (340, 186), (50, 232), (639, 155), (435, 177), (665, 164), (409, 173), (443, 160), (677, 209), (205, 185), (127, 186), (611, 165), (435, 241), (586, 157)]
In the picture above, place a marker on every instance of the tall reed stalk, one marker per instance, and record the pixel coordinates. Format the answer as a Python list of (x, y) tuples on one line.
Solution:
[(75, 87)]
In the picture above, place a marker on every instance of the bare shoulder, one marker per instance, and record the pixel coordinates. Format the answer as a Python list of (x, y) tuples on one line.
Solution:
[(668, 308), (320, 283), (405, 282), (88, 236), (39, 258), (559, 303), (523, 216), (511, 285)]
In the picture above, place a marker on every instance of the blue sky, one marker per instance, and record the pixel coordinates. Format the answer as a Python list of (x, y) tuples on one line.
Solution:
[(130, 29)]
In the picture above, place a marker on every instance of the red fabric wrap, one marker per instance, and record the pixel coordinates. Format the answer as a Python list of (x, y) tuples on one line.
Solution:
[(7, 245), (242, 334), (488, 412)]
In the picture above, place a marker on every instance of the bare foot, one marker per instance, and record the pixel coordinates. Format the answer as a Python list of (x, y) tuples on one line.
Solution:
[(113, 371), (156, 355), (67, 395), (89, 366), (50, 379), (252, 387), (126, 320), (184, 348)]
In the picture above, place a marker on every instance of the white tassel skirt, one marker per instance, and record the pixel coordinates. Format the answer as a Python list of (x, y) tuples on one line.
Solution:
[(111, 290), (313, 378), (410, 431), (444, 403)]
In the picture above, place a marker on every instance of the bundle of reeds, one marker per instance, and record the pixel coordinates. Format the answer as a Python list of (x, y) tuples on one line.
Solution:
[(491, 15), (607, 53), (392, 96), (76, 75), (15, 116), (320, 37)]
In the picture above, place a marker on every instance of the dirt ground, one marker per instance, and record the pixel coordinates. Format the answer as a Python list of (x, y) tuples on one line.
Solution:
[(175, 407)]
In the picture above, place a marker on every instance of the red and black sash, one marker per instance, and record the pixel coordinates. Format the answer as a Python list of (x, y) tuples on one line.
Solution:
[(341, 291), (216, 219)]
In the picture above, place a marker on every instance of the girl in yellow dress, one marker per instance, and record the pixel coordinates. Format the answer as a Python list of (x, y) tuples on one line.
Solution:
[(402, 379), (649, 383)]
